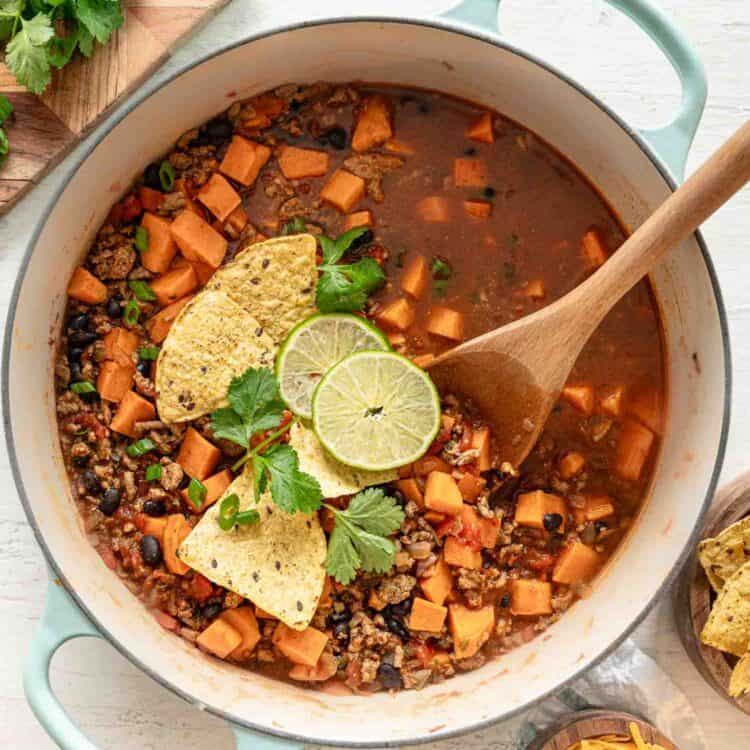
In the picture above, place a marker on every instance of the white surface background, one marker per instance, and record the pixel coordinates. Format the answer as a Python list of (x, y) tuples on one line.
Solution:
[(120, 707)]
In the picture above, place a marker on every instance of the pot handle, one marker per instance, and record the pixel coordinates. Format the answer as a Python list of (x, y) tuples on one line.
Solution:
[(670, 142)]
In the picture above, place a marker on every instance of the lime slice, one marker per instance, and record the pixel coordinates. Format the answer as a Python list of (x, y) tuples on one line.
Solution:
[(313, 347), (376, 410)]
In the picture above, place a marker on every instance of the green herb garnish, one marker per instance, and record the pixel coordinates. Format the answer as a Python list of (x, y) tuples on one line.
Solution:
[(153, 472), (228, 509), (246, 517), (131, 313), (5, 109), (295, 226), (439, 287), (166, 176), (440, 269), (148, 352), (141, 239), (345, 287), (142, 291), (140, 447), (197, 492), (82, 386)]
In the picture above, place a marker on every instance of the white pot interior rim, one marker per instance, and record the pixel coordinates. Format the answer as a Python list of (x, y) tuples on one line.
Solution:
[(148, 92)]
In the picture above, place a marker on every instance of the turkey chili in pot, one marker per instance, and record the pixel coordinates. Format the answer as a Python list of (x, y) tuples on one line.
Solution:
[(429, 220)]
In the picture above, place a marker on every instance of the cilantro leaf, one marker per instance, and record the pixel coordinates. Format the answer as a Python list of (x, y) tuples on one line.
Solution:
[(342, 561), (345, 288), (4, 146), (255, 397), (333, 250), (100, 17), (26, 53), (291, 489), (375, 511), (5, 108), (227, 424), (85, 41), (61, 49)]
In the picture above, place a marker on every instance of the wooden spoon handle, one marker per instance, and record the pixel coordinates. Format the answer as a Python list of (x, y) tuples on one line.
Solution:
[(717, 180)]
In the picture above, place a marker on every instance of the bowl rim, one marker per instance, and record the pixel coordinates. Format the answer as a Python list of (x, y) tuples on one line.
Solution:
[(149, 90)]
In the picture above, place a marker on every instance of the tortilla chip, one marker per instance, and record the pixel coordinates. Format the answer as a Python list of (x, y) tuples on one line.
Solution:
[(721, 556), (274, 281), (739, 682), (335, 478), (728, 625), (277, 563), (211, 341)]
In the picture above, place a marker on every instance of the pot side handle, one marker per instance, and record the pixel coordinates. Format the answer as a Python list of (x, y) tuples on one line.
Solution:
[(672, 141)]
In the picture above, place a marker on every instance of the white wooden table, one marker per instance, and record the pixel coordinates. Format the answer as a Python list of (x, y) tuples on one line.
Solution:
[(120, 707)]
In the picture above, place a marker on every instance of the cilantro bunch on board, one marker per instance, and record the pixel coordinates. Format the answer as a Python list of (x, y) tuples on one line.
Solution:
[(5, 111)]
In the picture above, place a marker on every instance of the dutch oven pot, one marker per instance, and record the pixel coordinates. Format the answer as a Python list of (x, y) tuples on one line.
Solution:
[(462, 55)]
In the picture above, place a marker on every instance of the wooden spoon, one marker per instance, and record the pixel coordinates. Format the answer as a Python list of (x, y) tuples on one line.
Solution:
[(514, 374)]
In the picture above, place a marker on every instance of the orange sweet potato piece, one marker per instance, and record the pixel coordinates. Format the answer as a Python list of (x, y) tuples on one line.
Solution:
[(198, 240), (158, 325), (470, 628), (437, 586), (174, 285), (422, 360), (470, 172), (427, 616), (534, 289), (594, 252), (114, 380), (203, 271), (243, 621), (530, 598), (299, 163), (219, 197), (612, 401), (633, 447), (119, 345), (133, 408), (531, 507), (151, 525), (481, 129), (460, 555), (85, 287), (237, 219), (301, 647), (326, 668), (441, 493), (645, 406), (481, 441), (161, 245), (415, 276), (446, 322), (398, 314), (343, 190), (373, 124), (395, 146), (598, 507), (471, 487), (427, 464), (175, 532), (150, 199), (215, 486), (581, 397), (220, 638), (244, 160), (434, 209), (358, 219), (571, 464), (577, 564), (410, 489), (197, 456), (478, 209)]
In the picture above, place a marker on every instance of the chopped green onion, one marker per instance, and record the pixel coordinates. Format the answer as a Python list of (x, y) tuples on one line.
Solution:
[(295, 226), (131, 313), (142, 291), (166, 176), (197, 492), (246, 517), (153, 472), (439, 287), (148, 352), (440, 269), (228, 510), (141, 239), (140, 447), (82, 386)]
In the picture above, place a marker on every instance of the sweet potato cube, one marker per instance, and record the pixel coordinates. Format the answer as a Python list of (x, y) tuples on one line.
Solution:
[(460, 555), (446, 322), (633, 447), (470, 172), (343, 190), (577, 564), (598, 507), (481, 441), (242, 619), (161, 246), (174, 285), (244, 159), (471, 487), (198, 240), (358, 219), (175, 532), (530, 598), (571, 463), (394, 146), (645, 406), (299, 163), (434, 209), (300, 646), (534, 289), (441, 493), (203, 271), (423, 466), (415, 276), (220, 638), (237, 220), (133, 408), (158, 325), (427, 616), (612, 401), (86, 288), (422, 360), (437, 586), (373, 124), (114, 380), (197, 456), (581, 397), (151, 525), (478, 209), (470, 628), (398, 314), (396, 339), (410, 489), (594, 252), (532, 507), (120, 344), (481, 129), (487, 529), (219, 197), (215, 486)]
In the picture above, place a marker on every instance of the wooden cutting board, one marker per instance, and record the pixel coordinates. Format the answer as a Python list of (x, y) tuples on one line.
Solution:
[(46, 128)]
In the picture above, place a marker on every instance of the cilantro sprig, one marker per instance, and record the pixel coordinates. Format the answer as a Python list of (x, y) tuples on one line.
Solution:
[(6, 108), (345, 287)]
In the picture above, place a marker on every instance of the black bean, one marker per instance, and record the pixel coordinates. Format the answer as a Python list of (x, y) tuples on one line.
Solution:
[(110, 502), (402, 608), (75, 371), (114, 307), (144, 367), (471, 151), (151, 177), (89, 397), (82, 338), (600, 526), (364, 239), (552, 521), (337, 617), (212, 610), (80, 461), (505, 601), (489, 192), (219, 130), (337, 138), (200, 140), (389, 676), (397, 628), (341, 631), (74, 353), (150, 550), (91, 482), (155, 507), (79, 322)]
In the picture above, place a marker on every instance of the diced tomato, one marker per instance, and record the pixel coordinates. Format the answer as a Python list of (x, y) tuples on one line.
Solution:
[(540, 561), (200, 588), (423, 652), (166, 621), (471, 536), (377, 253), (140, 522), (131, 208)]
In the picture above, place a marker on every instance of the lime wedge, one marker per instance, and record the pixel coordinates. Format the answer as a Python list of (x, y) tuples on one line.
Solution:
[(376, 410), (313, 347)]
